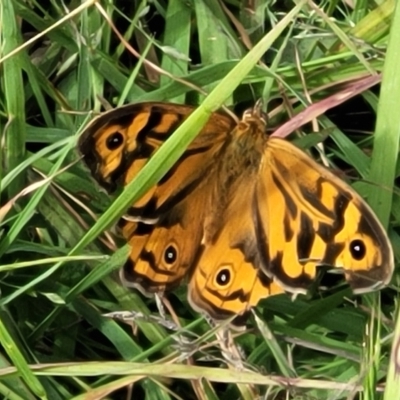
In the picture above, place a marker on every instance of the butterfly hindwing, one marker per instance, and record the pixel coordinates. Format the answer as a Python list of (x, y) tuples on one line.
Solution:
[(164, 251), (227, 279)]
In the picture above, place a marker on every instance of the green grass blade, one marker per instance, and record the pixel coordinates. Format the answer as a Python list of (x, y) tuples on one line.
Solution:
[(387, 132), (19, 361), (13, 94)]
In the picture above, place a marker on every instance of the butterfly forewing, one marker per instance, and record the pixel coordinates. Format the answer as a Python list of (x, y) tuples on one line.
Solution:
[(324, 222)]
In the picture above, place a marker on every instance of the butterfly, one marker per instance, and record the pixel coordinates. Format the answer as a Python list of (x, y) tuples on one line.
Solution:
[(241, 216)]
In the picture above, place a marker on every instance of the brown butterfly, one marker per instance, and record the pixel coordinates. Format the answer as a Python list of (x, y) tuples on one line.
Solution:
[(242, 215)]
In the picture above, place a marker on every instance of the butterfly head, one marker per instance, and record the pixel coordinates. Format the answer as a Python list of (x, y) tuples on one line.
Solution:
[(255, 114), (254, 119)]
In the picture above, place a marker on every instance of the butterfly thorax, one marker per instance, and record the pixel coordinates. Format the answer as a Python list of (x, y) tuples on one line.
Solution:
[(236, 170), (243, 152)]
